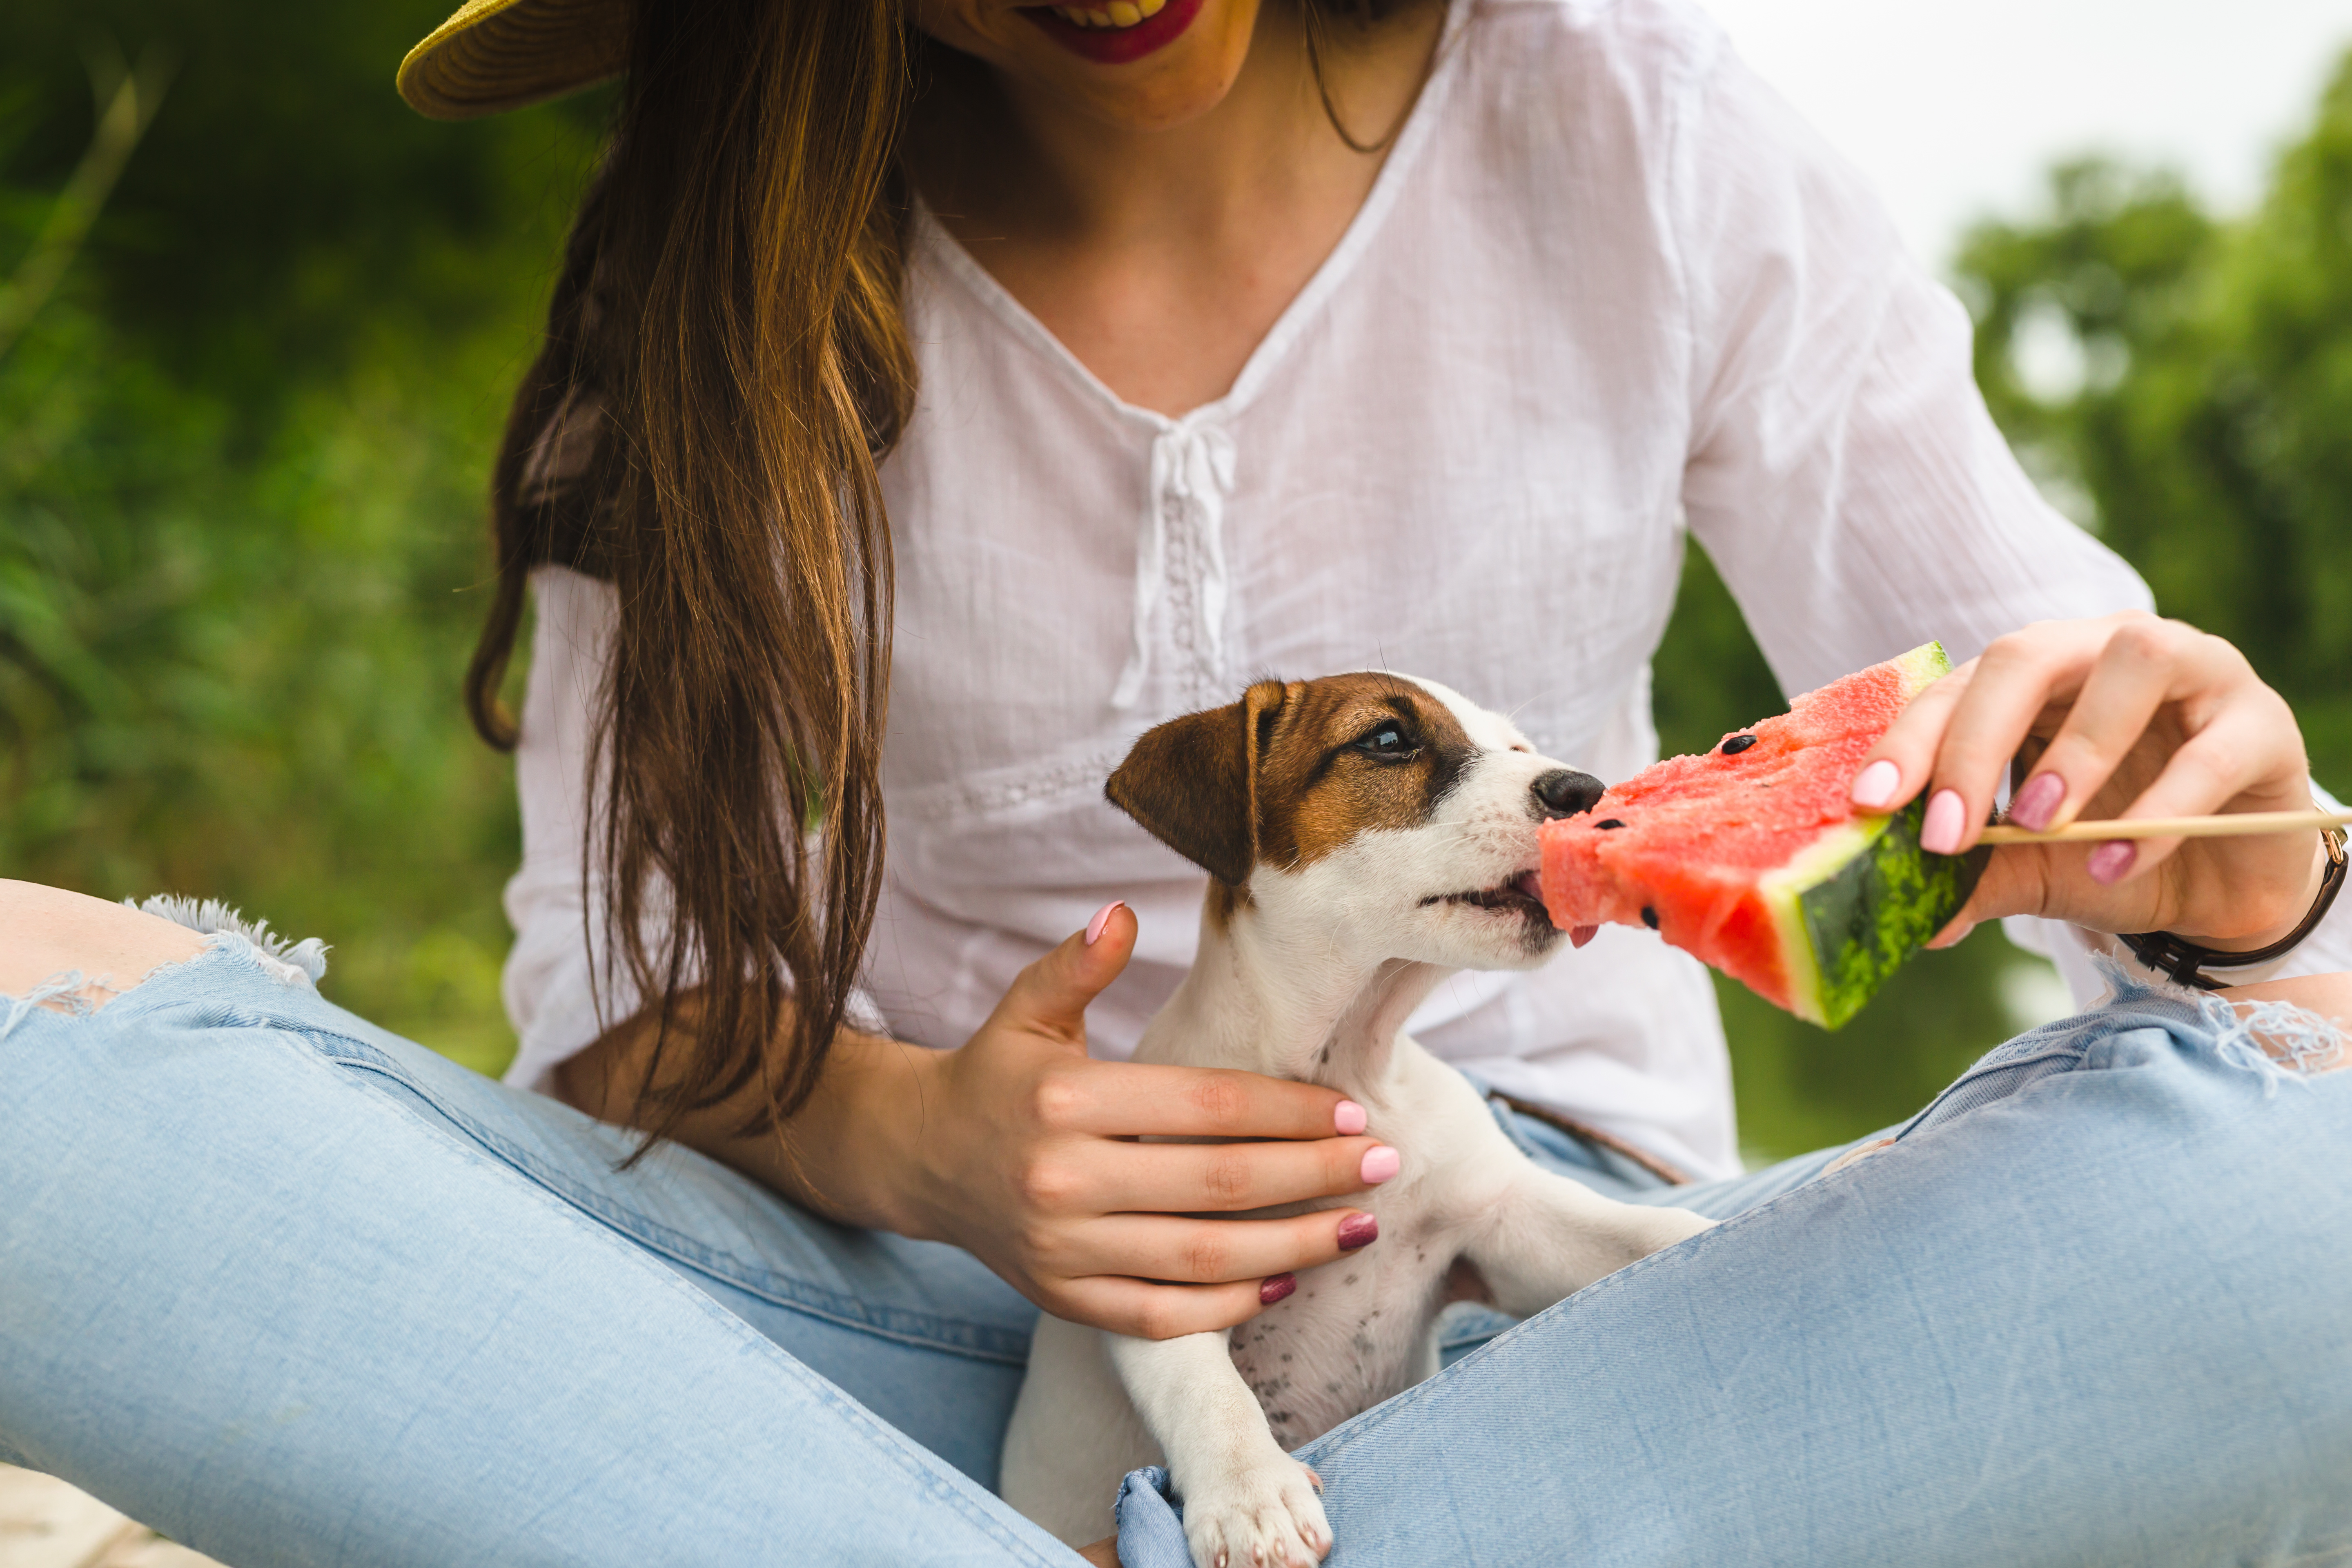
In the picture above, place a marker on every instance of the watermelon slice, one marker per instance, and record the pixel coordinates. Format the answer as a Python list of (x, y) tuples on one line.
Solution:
[(1753, 859)]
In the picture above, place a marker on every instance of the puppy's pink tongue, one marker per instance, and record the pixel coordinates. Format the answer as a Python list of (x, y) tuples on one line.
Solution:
[(1578, 935)]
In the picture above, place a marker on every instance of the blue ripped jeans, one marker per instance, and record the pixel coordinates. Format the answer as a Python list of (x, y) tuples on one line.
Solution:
[(294, 1290)]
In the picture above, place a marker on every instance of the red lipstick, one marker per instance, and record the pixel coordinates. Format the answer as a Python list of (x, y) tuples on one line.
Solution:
[(1116, 46)]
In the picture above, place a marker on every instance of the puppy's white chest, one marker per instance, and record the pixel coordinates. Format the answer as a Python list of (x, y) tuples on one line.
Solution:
[(1356, 1333)]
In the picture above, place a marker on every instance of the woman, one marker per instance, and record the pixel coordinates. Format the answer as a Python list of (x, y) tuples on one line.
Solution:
[(1050, 370)]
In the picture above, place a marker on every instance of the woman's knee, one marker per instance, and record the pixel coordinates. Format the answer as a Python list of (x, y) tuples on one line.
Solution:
[(48, 935)]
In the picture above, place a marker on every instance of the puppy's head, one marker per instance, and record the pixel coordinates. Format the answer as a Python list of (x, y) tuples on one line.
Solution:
[(1384, 813)]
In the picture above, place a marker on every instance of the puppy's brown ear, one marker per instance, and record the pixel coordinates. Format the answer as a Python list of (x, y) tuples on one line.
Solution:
[(1191, 784)]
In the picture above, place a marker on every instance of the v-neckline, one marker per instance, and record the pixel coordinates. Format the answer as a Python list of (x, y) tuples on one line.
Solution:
[(1276, 345)]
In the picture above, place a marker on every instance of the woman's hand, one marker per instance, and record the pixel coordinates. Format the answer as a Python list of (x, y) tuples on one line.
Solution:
[(1023, 1151), (1019, 1149), (2126, 716)]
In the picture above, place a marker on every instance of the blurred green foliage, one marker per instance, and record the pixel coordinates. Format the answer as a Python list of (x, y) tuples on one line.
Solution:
[(241, 470), (242, 458), (2188, 384)]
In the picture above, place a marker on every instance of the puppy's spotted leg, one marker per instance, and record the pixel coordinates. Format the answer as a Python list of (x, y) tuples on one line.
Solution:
[(1551, 1237), (1247, 1504)]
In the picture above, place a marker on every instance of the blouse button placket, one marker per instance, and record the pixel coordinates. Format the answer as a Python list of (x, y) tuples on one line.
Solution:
[(1180, 569)]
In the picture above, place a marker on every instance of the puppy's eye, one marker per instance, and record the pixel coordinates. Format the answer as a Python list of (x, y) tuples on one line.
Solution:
[(1389, 743)]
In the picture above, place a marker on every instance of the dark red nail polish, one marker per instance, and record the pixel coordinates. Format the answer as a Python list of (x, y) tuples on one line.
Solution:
[(1276, 1288), (1358, 1230)]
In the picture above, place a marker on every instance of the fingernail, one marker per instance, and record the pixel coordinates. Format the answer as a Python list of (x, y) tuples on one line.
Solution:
[(1349, 1118), (1951, 936), (1102, 918), (1948, 819), (1875, 784), (1381, 1162), (2033, 807), (2112, 860), (1358, 1230), (1276, 1288)]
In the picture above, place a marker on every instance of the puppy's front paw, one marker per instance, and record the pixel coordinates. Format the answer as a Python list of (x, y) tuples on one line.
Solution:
[(1678, 1225), (1261, 1512)]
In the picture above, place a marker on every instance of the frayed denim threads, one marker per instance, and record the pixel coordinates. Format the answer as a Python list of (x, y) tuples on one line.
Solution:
[(305, 959)]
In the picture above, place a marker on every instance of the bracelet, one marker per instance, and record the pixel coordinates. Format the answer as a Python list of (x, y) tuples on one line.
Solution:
[(2180, 959)]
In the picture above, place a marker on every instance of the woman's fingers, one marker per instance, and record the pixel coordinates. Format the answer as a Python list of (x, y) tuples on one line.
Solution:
[(1048, 999), (2147, 668), (1139, 1100), (1207, 1178), (1183, 1250), (1146, 1309), (1955, 738), (2092, 687), (1892, 771)]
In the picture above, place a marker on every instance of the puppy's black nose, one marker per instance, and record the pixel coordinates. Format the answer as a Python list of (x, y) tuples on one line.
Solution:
[(1564, 791)]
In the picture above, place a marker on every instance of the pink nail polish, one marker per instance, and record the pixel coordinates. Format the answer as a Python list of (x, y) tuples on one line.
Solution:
[(2111, 861), (1102, 918), (1380, 1164), (1276, 1288), (1875, 784), (1948, 819), (2033, 807), (1358, 1230), (1349, 1118)]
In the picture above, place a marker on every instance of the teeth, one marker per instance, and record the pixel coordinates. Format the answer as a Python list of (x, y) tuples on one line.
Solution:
[(1117, 13)]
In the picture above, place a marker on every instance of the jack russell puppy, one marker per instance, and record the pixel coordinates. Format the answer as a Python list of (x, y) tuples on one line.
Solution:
[(1367, 836)]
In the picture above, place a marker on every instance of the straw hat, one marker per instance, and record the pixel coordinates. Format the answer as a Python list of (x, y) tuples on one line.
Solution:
[(496, 55)]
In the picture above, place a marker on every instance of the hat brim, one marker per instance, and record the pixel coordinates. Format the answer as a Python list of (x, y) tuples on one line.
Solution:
[(496, 55)]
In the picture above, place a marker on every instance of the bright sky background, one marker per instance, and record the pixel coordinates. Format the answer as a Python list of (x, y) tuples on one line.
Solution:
[(1955, 108)]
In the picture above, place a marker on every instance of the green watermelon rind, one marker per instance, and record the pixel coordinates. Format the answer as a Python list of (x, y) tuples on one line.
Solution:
[(1854, 905)]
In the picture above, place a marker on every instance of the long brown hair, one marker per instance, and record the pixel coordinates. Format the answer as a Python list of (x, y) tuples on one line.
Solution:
[(724, 362), (725, 365)]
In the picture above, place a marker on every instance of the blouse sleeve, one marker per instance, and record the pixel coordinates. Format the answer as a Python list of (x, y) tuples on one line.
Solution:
[(548, 983), (1844, 473)]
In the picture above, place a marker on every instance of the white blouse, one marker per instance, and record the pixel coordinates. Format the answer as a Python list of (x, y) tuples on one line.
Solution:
[(1607, 287)]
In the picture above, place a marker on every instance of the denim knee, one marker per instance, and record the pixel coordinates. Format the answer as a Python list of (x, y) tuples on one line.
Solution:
[(2260, 1046)]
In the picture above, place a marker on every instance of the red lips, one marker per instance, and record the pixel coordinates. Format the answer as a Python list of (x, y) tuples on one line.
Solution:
[(1116, 46)]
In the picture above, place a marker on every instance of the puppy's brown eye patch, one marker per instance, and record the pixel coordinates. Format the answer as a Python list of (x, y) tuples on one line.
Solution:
[(1351, 753)]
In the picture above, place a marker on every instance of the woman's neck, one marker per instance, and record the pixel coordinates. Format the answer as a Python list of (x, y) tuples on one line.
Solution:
[(1162, 258)]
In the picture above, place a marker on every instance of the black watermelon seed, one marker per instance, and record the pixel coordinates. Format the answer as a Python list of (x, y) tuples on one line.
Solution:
[(1737, 744), (1649, 917), (1604, 826)]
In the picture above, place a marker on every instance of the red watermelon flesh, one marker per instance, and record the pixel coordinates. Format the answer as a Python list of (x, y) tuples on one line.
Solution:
[(1752, 857)]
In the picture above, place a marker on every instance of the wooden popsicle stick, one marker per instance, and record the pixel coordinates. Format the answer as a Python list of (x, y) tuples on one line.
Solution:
[(2235, 826)]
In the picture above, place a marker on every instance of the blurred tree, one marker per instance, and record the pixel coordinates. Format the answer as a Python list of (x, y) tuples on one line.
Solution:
[(2188, 383), (242, 454)]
